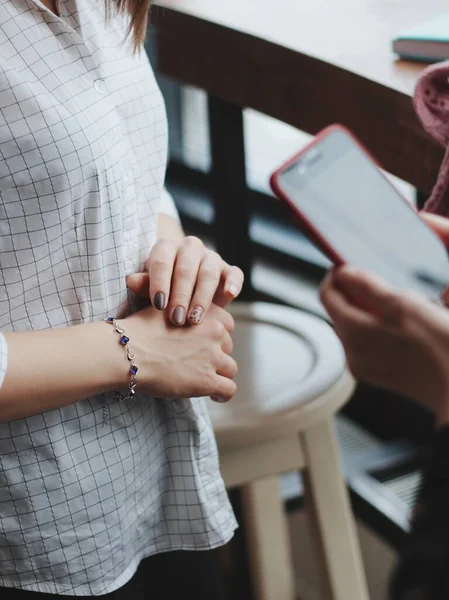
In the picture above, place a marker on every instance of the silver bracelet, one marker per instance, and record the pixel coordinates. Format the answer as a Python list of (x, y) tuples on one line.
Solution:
[(124, 341)]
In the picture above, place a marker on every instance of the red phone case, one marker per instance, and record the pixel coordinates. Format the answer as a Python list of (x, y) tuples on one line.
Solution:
[(303, 223)]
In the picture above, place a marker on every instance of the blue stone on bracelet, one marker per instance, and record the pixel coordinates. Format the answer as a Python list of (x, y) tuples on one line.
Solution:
[(124, 340), (110, 319), (133, 369)]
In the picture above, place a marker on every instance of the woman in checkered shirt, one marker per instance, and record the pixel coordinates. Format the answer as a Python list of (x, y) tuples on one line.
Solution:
[(105, 461)]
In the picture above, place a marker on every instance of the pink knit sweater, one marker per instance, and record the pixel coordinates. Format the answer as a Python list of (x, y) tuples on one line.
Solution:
[(432, 106)]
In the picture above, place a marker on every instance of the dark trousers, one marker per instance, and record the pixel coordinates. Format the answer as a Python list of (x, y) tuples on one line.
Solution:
[(170, 576), (423, 569)]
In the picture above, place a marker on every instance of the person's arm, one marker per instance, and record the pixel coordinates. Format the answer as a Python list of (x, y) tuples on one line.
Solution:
[(400, 342), (49, 369)]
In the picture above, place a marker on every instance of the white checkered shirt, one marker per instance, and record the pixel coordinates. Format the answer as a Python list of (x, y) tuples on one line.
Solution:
[(83, 144)]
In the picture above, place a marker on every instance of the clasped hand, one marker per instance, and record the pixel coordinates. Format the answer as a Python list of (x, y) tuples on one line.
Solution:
[(189, 286), (186, 279)]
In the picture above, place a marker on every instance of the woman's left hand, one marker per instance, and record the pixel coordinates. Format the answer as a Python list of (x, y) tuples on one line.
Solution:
[(185, 279)]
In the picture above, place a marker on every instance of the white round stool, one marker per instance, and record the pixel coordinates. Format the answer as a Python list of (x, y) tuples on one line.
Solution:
[(292, 379)]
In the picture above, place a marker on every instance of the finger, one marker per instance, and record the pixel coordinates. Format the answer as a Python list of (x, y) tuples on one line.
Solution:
[(440, 225), (341, 310), (225, 318), (227, 344), (392, 309), (138, 284), (185, 275), (230, 286), (225, 389), (228, 367), (208, 279), (160, 268)]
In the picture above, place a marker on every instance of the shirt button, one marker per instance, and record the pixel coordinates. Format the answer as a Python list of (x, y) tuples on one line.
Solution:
[(100, 86)]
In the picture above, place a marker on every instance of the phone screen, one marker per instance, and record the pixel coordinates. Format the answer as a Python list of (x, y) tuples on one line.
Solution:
[(362, 216)]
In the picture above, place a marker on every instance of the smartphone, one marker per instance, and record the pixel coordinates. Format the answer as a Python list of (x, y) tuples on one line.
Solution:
[(352, 212)]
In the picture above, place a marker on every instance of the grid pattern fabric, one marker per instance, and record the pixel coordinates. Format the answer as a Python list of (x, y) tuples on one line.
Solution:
[(3, 358), (83, 145)]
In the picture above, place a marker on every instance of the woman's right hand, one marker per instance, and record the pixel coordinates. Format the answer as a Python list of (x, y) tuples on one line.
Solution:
[(394, 340), (183, 362)]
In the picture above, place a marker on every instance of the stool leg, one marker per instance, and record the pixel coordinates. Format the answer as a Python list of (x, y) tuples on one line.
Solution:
[(332, 514), (268, 543)]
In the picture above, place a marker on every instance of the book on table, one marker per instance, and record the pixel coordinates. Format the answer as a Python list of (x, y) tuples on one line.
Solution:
[(428, 41)]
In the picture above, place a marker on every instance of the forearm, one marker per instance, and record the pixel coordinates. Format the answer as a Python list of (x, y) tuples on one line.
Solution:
[(50, 369)]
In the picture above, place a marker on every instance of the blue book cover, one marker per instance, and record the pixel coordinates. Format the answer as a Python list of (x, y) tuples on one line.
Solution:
[(427, 42)]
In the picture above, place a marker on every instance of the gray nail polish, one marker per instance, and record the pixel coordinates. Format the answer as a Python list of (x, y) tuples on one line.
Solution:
[(179, 315), (159, 301)]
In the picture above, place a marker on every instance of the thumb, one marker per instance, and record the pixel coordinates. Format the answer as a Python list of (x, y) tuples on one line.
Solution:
[(369, 293), (139, 283), (440, 226), (374, 296)]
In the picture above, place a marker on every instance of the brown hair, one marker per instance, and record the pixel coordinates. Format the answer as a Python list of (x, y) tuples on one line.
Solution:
[(138, 14)]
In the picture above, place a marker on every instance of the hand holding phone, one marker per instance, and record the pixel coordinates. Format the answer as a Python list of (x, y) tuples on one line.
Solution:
[(348, 208)]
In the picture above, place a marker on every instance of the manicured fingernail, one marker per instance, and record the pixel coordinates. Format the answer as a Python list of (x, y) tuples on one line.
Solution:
[(232, 290), (196, 316), (179, 315), (217, 399), (159, 301)]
